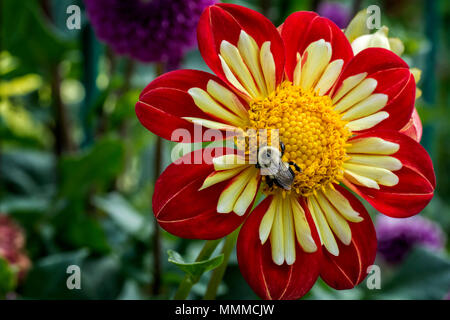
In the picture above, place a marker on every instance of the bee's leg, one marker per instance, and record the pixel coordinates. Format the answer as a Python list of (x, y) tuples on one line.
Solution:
[(269, 181), (278, 184), (282, 148), (292, 172), (292, 163), (257, 166)]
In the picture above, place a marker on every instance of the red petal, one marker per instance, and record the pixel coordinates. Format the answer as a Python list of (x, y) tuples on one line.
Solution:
[(302, 28), (183, 210), (349, 268), (165, 100), (268, 280), (416, 178), (400, 86), (372, 60), (225, 22), (394, 79), (413, 128)]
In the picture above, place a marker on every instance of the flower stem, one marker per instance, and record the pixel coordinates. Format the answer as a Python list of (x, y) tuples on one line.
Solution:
[(187, 283), (218, 273)]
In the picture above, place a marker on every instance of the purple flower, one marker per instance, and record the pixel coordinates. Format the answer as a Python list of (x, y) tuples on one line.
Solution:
[(147, 30), (396, 237), (336, 12)]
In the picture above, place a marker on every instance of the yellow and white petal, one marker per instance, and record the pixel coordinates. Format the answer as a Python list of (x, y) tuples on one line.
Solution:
[(284, 223), (368, 106), (228, 161), (297, 71), (323, 228), (289, 234), (232, 78), (268, 66), (219, 176), (360, 180), (348, 84), (302, 229), (372, 145), (357, 94), (317, 55), (211, 124), (341, 204), (358, 25), (267, 221), (247, 195), (227, 98), (380, 175), (233, 59), (250, 53), (277, 236), (396, 46), (378, 39), (386, 162), (417, 74), (329, 76), (208, 105), (230, 195), (367, 122), (337, 223)]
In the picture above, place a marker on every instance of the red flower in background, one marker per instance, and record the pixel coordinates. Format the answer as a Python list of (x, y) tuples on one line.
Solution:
[(12, 246), (339, 117)]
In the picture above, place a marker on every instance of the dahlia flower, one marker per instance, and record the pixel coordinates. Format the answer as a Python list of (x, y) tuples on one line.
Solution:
[(149, 31), (338, 118), (397, 237)]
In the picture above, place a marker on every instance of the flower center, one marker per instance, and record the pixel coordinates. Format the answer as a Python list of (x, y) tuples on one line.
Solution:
[(313, 134)]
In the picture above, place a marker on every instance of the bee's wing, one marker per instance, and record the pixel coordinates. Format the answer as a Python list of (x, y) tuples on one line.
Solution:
[(272, 169), (284, 176)]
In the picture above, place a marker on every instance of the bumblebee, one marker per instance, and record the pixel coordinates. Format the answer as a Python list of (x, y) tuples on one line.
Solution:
[(274, 168)]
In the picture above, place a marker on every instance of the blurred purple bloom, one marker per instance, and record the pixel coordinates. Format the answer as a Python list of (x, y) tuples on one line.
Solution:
[(396, 237), (336, 12), (147, 30)]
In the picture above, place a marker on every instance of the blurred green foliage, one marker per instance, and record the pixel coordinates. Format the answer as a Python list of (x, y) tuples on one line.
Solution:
[(7, 278), (88, 201)]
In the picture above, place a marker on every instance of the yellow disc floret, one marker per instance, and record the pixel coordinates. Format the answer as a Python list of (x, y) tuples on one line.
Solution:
[(313, 134)]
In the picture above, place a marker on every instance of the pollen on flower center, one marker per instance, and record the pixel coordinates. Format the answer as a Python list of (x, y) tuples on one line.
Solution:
[(313, 134)]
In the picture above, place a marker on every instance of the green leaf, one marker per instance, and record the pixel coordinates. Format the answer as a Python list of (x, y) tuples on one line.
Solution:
[(26, 204), (7, 62), (124, 215), (131, 291), (101, 278), (44, 48), (27, 171), (423, 275), (84, 231), (8, 278), (197, 268), (122, 109), (47, 279), (96, 168), (20, 86)]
